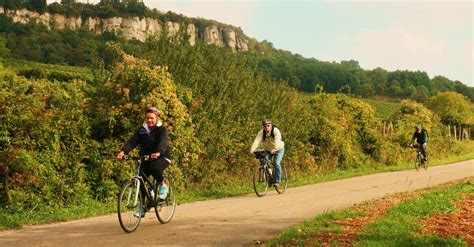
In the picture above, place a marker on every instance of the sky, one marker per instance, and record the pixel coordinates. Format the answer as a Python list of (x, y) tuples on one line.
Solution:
[(426, 35)]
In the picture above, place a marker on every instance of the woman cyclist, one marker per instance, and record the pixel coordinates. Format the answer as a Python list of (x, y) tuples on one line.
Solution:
[(152, 137)]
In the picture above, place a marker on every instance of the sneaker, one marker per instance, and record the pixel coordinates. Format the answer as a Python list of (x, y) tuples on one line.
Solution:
[(163, 192), (140, 212)]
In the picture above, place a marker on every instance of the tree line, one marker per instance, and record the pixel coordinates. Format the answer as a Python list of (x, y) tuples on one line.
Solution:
[(35, 42)]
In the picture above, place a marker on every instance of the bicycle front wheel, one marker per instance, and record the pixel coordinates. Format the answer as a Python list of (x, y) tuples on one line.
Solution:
[(281, 187), (417, 162), (260, 181), (424, 163), (165, 208), (129, 205)]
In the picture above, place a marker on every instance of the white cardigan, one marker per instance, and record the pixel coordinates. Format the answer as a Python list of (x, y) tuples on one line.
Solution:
[(270, 142)]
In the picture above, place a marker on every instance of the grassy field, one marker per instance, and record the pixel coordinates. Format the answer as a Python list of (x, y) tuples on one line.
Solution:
[(384, 109), (399, 220), (52, 71)]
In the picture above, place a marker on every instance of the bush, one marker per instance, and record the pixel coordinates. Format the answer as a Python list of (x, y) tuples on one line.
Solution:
[(44, 133), (131, 86), (345, 130), (34, 73)]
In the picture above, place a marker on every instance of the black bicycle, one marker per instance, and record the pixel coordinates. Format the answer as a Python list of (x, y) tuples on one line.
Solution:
[(131, 198), (263, 175), (420, 160)]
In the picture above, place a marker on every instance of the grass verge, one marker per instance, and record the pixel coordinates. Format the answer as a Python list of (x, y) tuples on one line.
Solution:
[(49, 214), (399, 225)]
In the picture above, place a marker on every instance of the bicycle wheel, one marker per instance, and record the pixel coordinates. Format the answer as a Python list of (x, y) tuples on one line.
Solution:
[(424, 163), (417, 161), (283, 181), (164, 208), (260, 181), (129, 200)]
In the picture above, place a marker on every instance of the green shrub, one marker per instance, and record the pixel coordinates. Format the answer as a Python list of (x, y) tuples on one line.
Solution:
[(34, 73), (44, 132)]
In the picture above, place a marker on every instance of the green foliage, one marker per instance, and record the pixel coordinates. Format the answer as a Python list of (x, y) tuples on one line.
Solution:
[(454, 108), (43, 136), (410, 115), (345, 130), (33, 42), (229, 100), (305, 74), (131, 86), (384, 110), (61, 125), (39, 6), (4, 51)]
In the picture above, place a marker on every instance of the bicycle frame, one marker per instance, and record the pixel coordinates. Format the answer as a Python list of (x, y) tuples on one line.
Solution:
[(141, 180), (266, 163)]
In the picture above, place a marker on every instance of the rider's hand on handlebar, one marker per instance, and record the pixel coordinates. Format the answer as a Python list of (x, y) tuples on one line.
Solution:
[(154, 156), (120, 155)]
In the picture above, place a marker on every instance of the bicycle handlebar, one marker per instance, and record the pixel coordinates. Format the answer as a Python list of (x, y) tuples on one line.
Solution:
[(260, 154), (143, 157)]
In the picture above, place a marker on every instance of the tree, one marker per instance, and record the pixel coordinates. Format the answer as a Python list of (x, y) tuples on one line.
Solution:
[(4, 51), (454, 108), (351, 64), (68, 2), (39, 6)]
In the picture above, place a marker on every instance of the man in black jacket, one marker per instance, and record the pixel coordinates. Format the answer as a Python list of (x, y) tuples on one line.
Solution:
[(421, 137)]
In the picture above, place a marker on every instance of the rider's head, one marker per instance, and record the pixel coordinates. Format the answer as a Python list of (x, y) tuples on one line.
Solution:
[(151, 115), (267, 125), (418, 128)]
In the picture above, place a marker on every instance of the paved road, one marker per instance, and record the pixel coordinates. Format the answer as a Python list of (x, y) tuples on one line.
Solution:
[(235, 221)]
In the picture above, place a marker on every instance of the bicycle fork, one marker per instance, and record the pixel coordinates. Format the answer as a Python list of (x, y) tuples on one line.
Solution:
[(262, 175), (135, 196)]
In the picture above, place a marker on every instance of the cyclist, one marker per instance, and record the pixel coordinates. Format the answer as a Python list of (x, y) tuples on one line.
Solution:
[(421, 137), (152, 137), (270, 136)]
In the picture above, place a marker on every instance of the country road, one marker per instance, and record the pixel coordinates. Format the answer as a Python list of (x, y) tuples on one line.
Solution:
[(239, 220)]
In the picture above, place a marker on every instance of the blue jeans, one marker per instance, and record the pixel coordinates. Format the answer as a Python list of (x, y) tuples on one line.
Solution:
[(278, 157)]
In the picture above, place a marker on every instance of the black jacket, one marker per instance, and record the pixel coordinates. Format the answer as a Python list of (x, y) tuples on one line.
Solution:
[(420, 137), (150, 142)]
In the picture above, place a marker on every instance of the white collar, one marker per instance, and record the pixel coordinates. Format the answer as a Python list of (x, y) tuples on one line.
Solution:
[(158, 124)]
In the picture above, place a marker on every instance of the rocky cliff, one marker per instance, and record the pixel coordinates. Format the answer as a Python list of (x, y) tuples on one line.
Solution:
[(133, 27)]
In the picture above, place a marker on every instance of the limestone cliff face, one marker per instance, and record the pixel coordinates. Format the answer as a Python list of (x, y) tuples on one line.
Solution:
[(132, 27)]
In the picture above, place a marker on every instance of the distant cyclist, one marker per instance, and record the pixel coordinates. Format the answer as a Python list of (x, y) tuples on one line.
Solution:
[(270, 138), (421, 138), (152, 137)]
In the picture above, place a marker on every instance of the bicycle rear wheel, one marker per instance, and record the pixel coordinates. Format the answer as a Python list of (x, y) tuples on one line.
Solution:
[(281, 187), (165, 208), (129, 201), (260, 181)]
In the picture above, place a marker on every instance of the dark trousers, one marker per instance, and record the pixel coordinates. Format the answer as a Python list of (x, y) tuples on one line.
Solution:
[(154, 168), (422, 147)]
